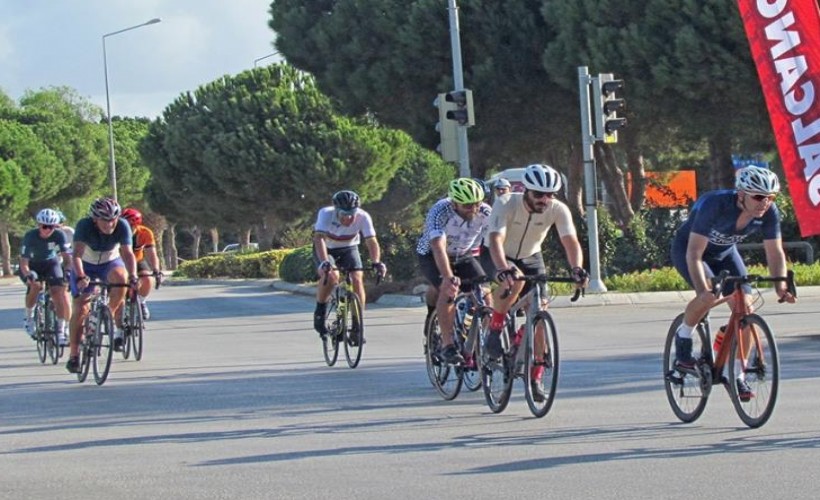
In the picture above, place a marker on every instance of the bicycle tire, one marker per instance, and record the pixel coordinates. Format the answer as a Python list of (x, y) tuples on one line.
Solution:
[(126, 335), (478, 331), (446, 379), (497, 377), (687, 393), (762, 373), (53, 342), (103, 345), (85, 356), (354, 337), (549, 378), (40, 337), (330, 341), (137, 325)]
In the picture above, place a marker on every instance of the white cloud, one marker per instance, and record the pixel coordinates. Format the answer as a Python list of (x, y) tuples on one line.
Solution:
[(46, 44)]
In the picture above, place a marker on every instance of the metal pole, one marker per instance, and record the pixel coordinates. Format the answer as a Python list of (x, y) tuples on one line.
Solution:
[(112, 166), (596, 285), (458, 83), (264, 57)]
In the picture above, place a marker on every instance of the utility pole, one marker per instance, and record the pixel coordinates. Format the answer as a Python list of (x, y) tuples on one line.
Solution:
[(458, 82)]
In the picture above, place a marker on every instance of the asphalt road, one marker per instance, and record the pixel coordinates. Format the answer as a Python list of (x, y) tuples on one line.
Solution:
[(233, 400)]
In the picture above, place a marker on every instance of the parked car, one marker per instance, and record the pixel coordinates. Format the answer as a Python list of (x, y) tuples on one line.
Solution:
[(235, 247)]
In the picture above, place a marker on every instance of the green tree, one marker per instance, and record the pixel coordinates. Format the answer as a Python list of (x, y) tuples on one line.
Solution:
[(132, 173), (14, 193)]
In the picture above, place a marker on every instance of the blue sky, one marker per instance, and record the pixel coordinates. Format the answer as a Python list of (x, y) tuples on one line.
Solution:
[(47, 43)]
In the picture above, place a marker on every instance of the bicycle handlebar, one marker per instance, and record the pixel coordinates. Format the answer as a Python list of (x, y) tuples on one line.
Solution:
[(543, 278), (348, 270), (719, 281), (470, 282)]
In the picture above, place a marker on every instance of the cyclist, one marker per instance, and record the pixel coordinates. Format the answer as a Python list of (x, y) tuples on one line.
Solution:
[(706, 244), (145, 251), (102, 250), (447, 252), (336, 242), (518, 226), (44, 255), (501, 187)]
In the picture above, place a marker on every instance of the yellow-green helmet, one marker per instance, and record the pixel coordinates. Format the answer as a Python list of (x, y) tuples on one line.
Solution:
[(465, 190)]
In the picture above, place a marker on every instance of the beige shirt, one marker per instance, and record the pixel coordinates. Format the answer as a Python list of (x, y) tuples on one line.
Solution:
[(524, 232)]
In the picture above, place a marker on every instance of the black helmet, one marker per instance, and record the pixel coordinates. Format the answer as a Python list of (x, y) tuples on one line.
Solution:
[(346, 200)]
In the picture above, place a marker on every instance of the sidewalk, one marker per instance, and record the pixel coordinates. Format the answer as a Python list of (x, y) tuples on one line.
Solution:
[(604, 299)]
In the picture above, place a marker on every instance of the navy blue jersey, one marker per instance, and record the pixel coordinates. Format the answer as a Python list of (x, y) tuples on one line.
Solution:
[(715, 216), (101, 248), (37, 249)]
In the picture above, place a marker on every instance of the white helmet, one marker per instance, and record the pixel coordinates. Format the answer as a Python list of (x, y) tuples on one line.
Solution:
[(48, 217), (757, 180), (542, 178)]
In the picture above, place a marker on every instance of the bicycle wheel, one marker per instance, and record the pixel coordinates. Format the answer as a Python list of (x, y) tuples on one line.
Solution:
[(761, 372), (126, 336), (548, 383), (478, 332), (354, 331), (40, 336), (334, 324), (137, 326), (686, 392), (85, 357), (497, 377), (446, 379), (103, 348), (53, 342)]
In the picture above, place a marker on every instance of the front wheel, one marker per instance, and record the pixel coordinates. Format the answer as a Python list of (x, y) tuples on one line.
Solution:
[(137, 325), (497, 376), (103, 345), (334, 323), (687, 392), (476, 336), (354, 331), (540, 388), (754, 361), (446, 378), (40, 336)]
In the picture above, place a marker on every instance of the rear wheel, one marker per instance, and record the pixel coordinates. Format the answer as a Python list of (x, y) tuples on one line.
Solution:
[(687, 392), (333, 325), (548, 381), (446, 378), (85, 352), (754, 359), (103, 349), (354, 331), (53, 342), (478, 332)]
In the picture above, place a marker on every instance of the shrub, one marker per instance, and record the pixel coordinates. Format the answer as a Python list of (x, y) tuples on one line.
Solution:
[(238, 265), (298, 266)]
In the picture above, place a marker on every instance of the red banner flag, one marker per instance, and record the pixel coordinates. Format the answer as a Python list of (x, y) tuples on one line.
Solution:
[(784, 36)]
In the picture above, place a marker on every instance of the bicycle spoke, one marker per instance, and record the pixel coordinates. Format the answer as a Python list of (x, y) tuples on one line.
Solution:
[(754, 361)]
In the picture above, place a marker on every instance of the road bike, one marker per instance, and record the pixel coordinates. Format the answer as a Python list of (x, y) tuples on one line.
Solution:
[(343, 320), (498, 375), (747, 353), (97, 343), (470, 326), (133, 323), (46, 334)]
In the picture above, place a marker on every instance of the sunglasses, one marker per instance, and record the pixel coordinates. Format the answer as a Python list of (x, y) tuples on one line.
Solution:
[(47, 226), (347, 213), (502, 190), (761, 197), (469, 205), (539, 195)]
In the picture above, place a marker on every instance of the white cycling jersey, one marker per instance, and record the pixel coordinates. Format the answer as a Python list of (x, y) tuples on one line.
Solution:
[(523, 231), (338, 235), (462, 236)]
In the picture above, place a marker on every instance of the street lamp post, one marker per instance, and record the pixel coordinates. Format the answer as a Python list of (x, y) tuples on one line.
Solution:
[(112, 168), (264, 57)]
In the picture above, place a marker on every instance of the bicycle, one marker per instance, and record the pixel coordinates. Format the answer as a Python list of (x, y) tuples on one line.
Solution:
[(747, 350), (471, 319), (343, 320), (498, 375), (97, 342), (133, 323), (46, 334)]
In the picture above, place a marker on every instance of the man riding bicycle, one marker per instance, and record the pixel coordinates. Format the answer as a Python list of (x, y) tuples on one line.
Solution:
[(518, 226), (102, 250), (336, 242), (44, 256), (706, 244), (447, 253), (145, 251)]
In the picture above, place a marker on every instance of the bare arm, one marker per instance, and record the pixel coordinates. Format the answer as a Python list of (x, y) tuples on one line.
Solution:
[(575, 256), (373, 249), (694, 262), (319, 245), (776, 261)]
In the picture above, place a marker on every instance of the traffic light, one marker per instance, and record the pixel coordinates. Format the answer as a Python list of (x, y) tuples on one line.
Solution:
[(607, 106), (448, 147), (463, 112)]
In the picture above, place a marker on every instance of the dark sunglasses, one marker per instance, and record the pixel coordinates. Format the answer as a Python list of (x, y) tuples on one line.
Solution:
[(469, 205), (761, 197), (539, 195), (47, 226), (347, 213)]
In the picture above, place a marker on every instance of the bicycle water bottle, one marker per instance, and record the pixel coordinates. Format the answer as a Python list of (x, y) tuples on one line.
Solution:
[(468, 319), (719, 339), (519, 335)]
